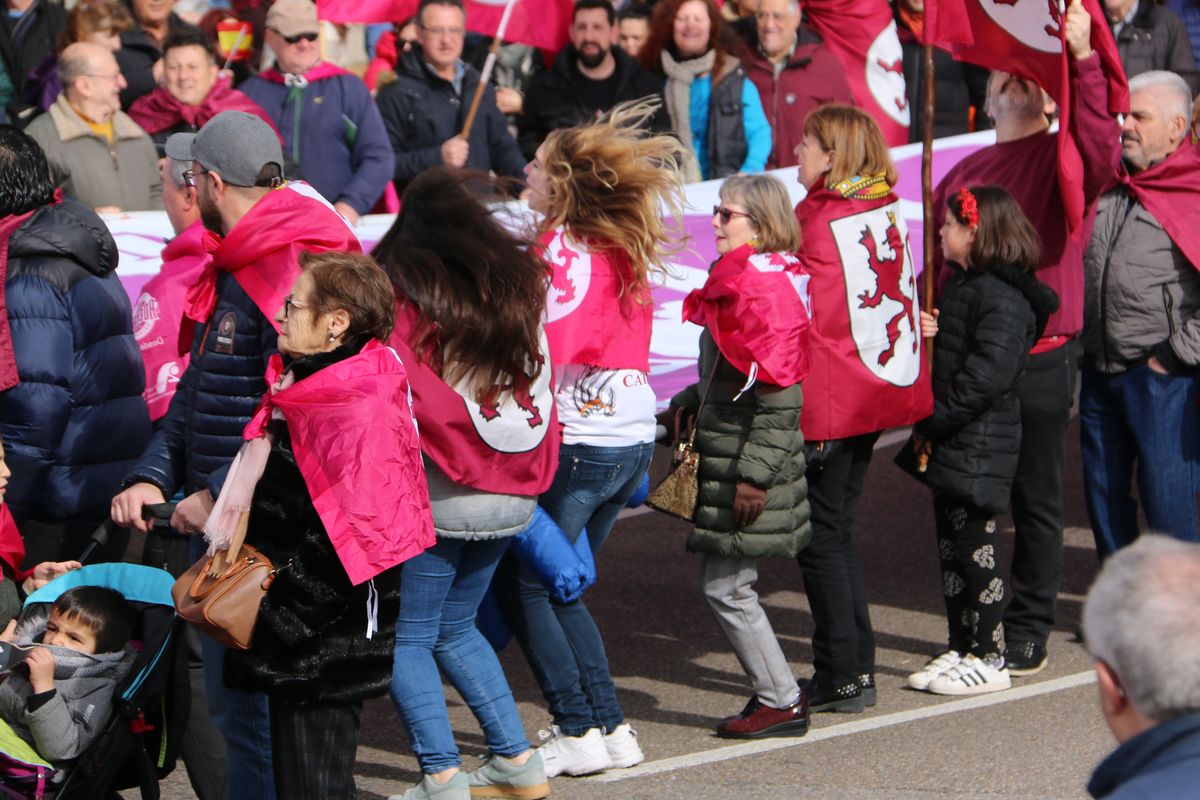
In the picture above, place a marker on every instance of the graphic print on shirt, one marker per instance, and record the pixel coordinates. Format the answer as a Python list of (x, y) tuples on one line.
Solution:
[(594, 395), (881, 292)]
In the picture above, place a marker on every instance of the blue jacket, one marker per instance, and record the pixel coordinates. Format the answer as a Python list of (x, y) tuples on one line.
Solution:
[(218, 393), (1161, 762), (422, 110), (76, 421), (335, 135)]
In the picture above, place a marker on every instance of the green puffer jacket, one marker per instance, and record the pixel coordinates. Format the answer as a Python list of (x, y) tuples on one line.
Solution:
[(755, 439)]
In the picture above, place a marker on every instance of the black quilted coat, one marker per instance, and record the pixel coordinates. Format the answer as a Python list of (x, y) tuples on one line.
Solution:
[(310, 644), (988, 322)]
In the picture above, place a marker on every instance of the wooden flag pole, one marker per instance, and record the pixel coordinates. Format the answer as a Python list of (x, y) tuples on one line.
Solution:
[(486, 74), (927, 208)]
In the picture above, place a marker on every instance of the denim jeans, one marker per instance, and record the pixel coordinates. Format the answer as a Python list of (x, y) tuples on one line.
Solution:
[(1149, 419), (242, 717), (439, 594), (560, 640)]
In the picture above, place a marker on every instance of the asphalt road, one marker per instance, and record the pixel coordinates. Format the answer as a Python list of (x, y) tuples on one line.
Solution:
[(677, 676)]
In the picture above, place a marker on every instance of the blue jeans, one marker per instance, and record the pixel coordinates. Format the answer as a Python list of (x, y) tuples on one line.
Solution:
[(560, 640), (242, 717), (439, 594), (1151, 419)]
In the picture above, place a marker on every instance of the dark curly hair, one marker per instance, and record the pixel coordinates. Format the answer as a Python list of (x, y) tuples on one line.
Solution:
[(24, 175)]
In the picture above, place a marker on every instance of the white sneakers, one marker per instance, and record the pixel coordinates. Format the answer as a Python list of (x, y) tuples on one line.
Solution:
[(972, 675), (622, 745), (591, 752), (573, 755), (921, 679)]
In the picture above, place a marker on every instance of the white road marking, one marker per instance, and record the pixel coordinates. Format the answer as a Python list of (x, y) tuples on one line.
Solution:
[(752, 748)]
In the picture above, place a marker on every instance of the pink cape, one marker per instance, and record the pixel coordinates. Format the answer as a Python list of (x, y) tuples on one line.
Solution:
[(867, 369), (588, 321), (159, 110), (263, 252), (755, 305), (12, 547), (158, 311), (507, 447), (356, 444)]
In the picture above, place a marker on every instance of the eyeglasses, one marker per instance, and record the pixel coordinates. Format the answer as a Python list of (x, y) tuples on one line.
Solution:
[(290, 305), (189, 176), (116, 77), (437, 33), (306, 37), (727, 214)]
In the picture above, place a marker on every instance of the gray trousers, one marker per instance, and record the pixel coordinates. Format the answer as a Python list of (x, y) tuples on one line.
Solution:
[(727, 583)]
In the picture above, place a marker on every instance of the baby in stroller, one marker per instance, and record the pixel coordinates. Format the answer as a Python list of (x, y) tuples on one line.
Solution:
[(59, 698)]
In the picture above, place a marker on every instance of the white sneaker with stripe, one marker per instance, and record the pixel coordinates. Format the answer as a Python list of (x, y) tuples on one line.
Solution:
[(972, 675), (921, 679)]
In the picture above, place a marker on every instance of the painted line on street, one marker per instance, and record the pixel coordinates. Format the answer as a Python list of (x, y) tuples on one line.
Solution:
[(705, 757)]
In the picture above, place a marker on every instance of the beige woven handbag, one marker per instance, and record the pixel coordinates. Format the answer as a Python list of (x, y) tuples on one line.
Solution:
[(677, 493)]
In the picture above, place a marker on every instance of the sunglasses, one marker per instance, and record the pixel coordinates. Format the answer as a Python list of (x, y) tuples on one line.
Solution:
[(306, 37), (727, 214)]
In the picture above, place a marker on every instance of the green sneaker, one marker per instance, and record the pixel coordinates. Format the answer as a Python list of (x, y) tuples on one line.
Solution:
[(499, 777), (457, 788)]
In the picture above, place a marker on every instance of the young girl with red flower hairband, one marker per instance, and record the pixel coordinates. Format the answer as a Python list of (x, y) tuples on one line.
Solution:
[(992, 310)]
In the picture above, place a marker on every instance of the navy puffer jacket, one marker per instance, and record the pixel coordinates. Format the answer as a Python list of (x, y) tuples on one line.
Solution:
[(76, 421), (216, 397)]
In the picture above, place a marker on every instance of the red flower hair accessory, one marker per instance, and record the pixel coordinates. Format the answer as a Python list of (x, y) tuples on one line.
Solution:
[(968, 207)]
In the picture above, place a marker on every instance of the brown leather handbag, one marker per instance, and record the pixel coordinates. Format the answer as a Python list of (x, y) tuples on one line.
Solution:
[(223, 601)]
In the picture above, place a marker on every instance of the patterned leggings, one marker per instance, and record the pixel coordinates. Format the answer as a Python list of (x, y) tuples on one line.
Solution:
[(970, 580)]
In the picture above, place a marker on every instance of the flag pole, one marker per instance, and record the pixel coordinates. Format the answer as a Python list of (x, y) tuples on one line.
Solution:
[(927, 207), (486, 73)]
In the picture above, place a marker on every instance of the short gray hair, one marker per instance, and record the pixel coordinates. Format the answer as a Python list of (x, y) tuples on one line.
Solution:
[(1141, 620), (1175, 88), (177, 169)]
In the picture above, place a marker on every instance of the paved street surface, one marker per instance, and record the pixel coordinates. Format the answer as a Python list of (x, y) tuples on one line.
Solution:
[(677, 676)]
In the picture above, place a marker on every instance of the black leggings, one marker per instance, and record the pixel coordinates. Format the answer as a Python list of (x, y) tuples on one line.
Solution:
[(971, 582)]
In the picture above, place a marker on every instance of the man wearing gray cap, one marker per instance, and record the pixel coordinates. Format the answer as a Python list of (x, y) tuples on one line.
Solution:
[(258, 227), (328, 121)]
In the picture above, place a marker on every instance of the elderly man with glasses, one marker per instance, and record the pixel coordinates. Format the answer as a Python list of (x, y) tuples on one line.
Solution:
[(424, 110), (96, 153), (328, 121)]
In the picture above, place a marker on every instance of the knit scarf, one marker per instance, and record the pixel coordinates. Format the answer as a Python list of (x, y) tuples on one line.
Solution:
[(678, 91)]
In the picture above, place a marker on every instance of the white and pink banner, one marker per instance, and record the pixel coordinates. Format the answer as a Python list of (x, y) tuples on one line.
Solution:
[(673, 349)]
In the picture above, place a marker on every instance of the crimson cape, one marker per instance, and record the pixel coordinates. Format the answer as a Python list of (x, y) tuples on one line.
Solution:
[(263, 252), (1170, 190), (8, 360), (356, 444), (159, 110), (867, 367), (755, 305), (507, 447), (12, 547)]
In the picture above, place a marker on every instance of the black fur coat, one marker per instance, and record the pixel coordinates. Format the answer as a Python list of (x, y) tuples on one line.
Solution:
[(310, 644)]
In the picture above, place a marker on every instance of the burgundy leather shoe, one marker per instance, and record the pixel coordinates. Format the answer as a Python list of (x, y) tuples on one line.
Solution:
[(758, 721)]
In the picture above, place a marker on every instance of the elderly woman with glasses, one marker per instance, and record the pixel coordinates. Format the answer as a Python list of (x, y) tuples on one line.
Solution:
[(330, 488), (752, 500)]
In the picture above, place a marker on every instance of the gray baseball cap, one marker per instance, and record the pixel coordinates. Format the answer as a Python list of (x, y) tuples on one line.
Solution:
[(233, 144)]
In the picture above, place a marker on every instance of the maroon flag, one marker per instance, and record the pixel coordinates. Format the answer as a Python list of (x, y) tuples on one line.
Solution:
[(541, 23), (1026, 38), (862, 34), (866, 367)]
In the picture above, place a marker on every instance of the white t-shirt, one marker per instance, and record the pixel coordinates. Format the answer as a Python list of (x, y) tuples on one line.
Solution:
[(605, 407)]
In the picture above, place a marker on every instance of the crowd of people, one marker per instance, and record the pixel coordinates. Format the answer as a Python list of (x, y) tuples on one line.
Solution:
[(383, 426)]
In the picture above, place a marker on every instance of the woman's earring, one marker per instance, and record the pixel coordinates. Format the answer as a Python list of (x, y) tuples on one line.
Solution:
[(331, 336)]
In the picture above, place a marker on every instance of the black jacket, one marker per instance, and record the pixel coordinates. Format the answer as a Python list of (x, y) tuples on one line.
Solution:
[(421, 111), (137, 57), (77, 420), (959, 86), (988, 322), (553, 100), (1157, 39), (310, 644), (24, 45)]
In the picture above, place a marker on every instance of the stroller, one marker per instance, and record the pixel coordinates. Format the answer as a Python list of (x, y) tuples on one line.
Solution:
[(138, 745)]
